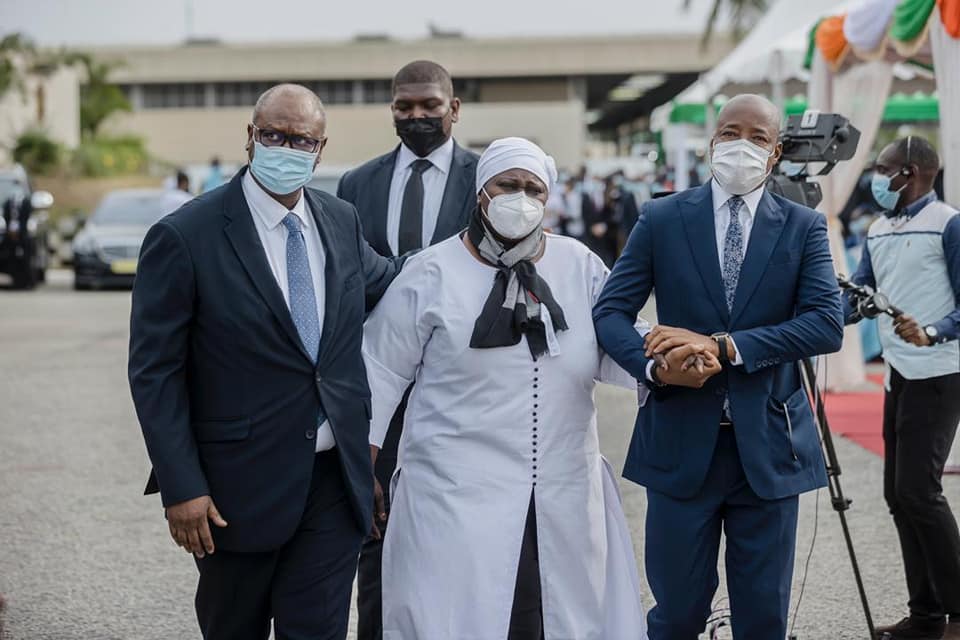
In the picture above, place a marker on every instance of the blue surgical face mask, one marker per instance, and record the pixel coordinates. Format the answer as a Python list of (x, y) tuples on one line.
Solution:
[(880, 186), (282, 170)]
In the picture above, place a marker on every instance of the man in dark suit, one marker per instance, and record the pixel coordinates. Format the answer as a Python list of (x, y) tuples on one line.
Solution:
[(746, 277), (247, 377), (418, 194)]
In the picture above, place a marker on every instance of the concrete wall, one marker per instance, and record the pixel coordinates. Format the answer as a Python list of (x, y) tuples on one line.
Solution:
[(356, 132)]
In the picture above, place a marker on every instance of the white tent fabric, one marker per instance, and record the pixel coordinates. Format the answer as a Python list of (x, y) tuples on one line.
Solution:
[(866, 26), (946, 55), (859, 93)]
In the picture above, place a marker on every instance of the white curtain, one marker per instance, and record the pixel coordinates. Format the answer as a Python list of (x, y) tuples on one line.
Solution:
[(860, 94), (946, 62)]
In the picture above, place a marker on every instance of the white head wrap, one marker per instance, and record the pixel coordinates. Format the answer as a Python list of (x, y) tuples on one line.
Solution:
[(515, 153)]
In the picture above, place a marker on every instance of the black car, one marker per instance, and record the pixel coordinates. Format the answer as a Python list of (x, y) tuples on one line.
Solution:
[(23, 229), (105, 251)]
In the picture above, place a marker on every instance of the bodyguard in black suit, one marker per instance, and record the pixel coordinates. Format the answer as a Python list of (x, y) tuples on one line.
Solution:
[(419, 194), (247, 378)]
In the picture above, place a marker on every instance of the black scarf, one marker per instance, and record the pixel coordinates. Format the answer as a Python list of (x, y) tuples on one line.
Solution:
[(505, 319)]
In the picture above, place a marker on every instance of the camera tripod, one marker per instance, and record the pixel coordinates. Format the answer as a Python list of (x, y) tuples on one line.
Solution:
[(839, 501)]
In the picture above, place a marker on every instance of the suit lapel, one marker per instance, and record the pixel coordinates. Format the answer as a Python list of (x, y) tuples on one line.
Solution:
[(454, 209), (380, 197), (767, 227), (697, 214), (332, 273), (242, 233)]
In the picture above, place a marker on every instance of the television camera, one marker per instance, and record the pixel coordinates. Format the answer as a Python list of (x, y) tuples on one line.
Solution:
[(809, 140)]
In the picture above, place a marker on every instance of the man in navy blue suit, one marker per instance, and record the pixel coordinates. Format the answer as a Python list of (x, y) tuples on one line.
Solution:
[(746, 278), (247, 377)]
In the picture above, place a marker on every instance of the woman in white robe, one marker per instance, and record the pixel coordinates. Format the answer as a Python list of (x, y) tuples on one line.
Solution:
[(494, 430)]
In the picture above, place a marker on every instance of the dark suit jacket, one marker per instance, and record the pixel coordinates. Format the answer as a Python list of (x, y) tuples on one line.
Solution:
[(368, 188), (786, 307), (226, 395)]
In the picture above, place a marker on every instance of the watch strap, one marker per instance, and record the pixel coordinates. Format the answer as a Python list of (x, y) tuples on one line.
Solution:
[(721, 340)]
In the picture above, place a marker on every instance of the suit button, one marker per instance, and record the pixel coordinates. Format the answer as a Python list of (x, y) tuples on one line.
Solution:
[(319, 378), (310, 434)]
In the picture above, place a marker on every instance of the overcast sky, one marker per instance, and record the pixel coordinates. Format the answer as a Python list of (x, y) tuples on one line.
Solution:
[(96, 22)]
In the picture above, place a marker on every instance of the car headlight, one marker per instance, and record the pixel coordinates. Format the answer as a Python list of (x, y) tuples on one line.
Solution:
[(84, 244)]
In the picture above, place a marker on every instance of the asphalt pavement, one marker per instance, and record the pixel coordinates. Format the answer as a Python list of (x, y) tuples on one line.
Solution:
[(84, 555)]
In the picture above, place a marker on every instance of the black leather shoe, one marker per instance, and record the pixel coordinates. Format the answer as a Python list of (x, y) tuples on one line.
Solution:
[(912, 629)]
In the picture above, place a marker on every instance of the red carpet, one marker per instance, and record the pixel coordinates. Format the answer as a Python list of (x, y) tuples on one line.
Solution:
[(859, 416)]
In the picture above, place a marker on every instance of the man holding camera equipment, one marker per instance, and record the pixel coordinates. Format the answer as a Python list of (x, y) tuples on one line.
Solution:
[(912, 255)]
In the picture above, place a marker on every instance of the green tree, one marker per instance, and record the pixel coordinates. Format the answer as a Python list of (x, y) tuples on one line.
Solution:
[(743, 15), (16, 53), (99, 99)]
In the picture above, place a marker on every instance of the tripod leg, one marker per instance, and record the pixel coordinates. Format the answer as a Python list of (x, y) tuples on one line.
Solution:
[(839, 501)]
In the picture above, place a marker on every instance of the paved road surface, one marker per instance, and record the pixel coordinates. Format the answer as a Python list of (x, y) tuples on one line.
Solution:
[(83, 555)]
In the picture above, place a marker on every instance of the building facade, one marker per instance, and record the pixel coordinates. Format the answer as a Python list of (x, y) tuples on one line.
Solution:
[(191, 102)]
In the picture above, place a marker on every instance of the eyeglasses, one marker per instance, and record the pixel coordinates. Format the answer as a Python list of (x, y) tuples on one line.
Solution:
[(274, 138)]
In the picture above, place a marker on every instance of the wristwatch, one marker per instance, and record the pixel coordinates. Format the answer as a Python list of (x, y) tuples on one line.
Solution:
[(654, 378), (932, 333), (721, 340)]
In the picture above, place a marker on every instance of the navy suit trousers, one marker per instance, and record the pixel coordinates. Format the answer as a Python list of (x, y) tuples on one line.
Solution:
[(304, 586), (682, 546)]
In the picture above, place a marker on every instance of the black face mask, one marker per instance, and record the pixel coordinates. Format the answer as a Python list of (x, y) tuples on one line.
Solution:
[(421, 135)]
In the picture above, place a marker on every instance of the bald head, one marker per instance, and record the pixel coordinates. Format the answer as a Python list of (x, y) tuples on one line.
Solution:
[(753, 107), (752, 118), (289, 115), (287, 97)]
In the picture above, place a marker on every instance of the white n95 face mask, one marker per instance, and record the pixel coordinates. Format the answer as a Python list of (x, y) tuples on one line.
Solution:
[(739, 166), (514, 215)]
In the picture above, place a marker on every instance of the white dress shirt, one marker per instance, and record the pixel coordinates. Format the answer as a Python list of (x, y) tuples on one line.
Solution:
[(721, 222), (434, 183), (268, 215)]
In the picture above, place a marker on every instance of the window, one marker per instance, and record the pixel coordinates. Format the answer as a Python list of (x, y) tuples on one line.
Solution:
[(333, 91), (239, 94), (377, 91), (172, 96)]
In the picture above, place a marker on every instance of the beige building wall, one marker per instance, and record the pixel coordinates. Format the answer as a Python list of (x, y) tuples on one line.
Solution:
[(50, 103), (356, 132)]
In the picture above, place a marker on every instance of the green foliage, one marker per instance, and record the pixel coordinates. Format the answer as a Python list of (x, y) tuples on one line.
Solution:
[(37, 152), (743, 15), (99, 99), (110, 156), (15, 50)]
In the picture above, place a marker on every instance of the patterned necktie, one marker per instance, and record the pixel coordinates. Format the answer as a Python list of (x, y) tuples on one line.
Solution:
[(411, 210), (732, 250), (303, 299)]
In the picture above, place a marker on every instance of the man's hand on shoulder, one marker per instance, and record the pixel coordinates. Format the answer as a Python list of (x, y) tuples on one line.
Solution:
[(189, 527), (690, 365)]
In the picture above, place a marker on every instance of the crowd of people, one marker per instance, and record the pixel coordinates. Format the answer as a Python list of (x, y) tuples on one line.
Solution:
[(396, 383)]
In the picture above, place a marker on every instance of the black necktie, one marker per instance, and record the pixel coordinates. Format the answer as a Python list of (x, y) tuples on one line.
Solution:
[(411, 212)]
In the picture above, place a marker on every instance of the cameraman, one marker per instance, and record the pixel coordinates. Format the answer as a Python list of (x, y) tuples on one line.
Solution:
[(912, 254)]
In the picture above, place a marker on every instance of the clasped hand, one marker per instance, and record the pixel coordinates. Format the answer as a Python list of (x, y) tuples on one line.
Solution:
[(683, 358)]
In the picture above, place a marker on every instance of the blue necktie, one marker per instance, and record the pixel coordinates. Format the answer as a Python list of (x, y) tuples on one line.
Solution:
[(732, 250), (303, 299)]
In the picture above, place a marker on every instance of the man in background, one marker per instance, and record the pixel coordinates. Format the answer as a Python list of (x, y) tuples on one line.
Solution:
[(214, 176), (418, 194), (176, 197), (912, 254)]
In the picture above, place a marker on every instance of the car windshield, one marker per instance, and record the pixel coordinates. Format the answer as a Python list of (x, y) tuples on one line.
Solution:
[(134, 209)]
